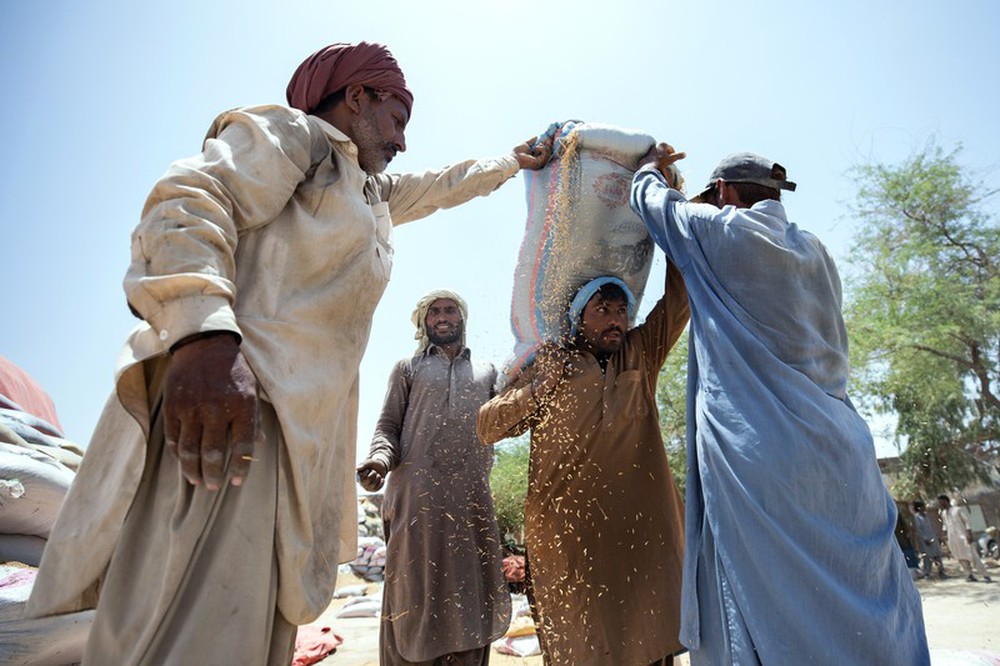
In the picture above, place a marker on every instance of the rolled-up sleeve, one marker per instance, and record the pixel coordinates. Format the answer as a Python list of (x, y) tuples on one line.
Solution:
[(412, 196), (182, 276), (509, 414)]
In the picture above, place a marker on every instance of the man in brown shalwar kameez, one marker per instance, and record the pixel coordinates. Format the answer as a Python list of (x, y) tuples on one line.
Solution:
[(216, 498), (603, 518), (445, 598)]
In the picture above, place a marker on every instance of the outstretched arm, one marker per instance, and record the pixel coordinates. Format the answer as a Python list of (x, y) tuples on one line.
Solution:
[(412, 196)]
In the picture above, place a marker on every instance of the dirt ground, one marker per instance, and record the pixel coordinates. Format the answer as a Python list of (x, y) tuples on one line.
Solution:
[(960, 617)]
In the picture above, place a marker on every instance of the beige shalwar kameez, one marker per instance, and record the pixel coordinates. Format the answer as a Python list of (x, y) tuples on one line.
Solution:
[(957, 525), (274, 232), (603, 518)]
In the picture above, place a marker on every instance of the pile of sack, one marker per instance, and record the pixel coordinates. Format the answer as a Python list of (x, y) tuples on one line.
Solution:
[(370, 562), (521, 638), (369, 518), (37, 466)]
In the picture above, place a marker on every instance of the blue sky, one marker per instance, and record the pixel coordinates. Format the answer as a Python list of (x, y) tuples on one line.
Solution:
[(102, 96)]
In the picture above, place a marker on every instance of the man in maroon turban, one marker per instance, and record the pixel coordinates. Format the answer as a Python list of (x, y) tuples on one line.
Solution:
[(217, 492), (333, 68)]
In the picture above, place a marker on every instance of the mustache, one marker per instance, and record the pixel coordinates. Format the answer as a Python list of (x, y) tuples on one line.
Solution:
[(613, 329)]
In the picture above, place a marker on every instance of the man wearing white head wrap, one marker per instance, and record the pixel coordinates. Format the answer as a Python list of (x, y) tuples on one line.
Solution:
[(445, 599), (603, 518), (419, 316)]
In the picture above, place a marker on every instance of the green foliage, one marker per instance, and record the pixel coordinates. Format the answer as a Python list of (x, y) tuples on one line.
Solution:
[(671, 399), (509, 485), (924, 316)]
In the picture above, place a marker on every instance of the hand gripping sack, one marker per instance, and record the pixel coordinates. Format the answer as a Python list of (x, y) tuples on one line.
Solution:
[(579, 226)]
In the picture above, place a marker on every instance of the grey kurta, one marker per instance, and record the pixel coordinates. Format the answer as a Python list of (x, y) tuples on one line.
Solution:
[(603, 518), (273, 231), (444, 587)]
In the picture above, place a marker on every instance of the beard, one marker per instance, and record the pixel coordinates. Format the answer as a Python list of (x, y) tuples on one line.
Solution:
[(446, 338), (373, 152)]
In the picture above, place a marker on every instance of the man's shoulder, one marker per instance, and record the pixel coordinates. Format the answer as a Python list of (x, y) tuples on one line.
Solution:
[(281, 122)]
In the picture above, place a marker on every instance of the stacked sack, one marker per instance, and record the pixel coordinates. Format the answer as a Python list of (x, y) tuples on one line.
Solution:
[(370, 562), (579, 226), (369, 518)]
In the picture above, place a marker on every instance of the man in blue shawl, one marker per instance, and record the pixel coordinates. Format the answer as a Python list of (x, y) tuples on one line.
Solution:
[(791, 557)]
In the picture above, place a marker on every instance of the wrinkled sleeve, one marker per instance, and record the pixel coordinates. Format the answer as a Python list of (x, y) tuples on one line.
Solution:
[(666, 321), (385, 446), (412, 196), (509, 414), (182, 276)]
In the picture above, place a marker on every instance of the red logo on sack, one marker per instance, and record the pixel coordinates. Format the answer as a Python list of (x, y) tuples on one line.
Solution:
[(612, 189)]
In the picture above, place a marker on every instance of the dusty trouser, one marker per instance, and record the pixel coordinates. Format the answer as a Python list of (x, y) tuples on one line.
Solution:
[(193, 579)]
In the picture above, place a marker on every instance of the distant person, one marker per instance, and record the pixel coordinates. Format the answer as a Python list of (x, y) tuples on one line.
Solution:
[(791, 557), (445, 598), (960, 541), (603, 518), (905, 542), (216, 498), (927, 540)]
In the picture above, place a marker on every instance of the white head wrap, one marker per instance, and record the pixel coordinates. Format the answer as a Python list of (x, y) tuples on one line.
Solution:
[(419, 316)]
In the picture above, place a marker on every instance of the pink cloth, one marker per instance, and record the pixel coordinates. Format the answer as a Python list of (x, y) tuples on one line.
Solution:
[(337, 66), (313, 643), (17, 385)]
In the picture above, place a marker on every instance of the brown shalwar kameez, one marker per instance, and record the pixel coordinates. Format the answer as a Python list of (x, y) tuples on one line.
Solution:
[(604, 520), (445, 598)]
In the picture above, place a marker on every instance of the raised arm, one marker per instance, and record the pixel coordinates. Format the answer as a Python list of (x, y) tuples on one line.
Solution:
[(666, 320), (521, 406)]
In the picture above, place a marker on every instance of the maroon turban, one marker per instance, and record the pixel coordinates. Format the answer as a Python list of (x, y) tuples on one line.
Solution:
[(337, 66)]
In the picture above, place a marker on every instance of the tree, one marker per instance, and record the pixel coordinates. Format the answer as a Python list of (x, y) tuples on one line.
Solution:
[(671, 398), (509, 486), (924, 316)]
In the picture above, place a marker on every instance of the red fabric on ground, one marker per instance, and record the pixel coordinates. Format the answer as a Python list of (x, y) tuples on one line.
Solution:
[(313, 643)]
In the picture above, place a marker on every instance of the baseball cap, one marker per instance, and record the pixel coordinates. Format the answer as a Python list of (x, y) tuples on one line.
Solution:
[(748, 168)]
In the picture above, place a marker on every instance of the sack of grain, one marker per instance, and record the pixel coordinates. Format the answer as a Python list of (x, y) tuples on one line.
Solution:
[(579, 226)]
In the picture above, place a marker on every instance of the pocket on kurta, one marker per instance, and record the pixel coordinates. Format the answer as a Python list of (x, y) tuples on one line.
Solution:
[(383, 236), (630, 394)]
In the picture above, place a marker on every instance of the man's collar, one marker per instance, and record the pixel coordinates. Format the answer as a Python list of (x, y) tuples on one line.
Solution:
[(771, 207), (433, 349), (330, 130)]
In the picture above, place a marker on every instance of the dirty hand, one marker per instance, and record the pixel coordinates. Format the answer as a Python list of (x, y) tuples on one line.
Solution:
[(532, 156), (550, 366), (371, 475), (211, 416), (664, 156)]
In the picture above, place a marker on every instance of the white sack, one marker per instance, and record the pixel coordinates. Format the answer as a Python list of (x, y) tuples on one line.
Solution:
[(579, 226)]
